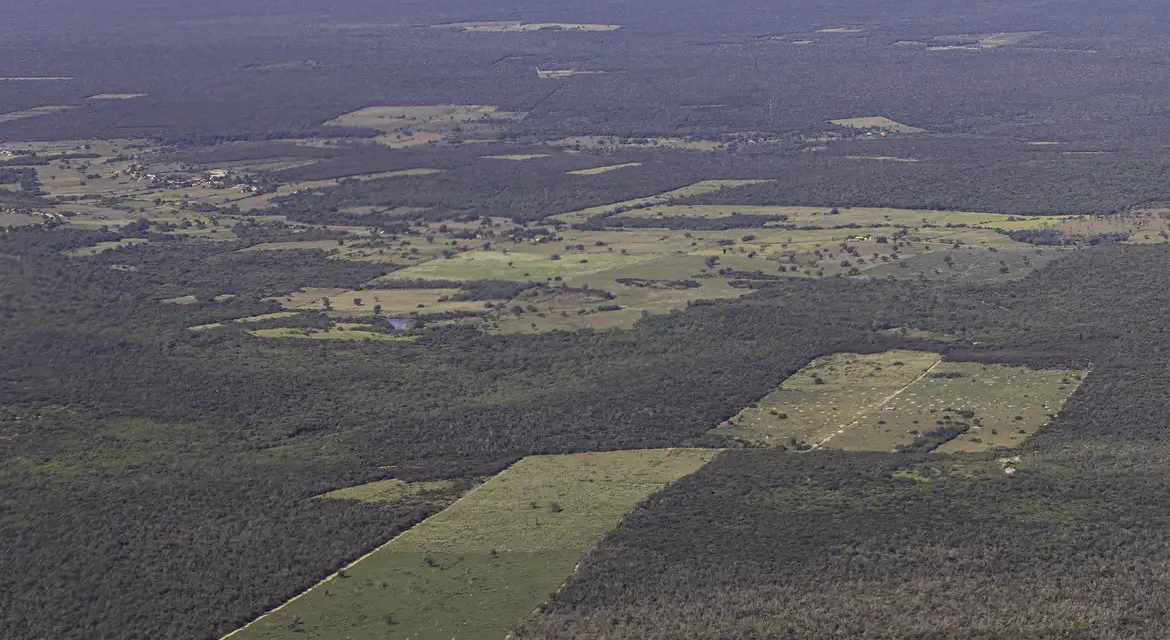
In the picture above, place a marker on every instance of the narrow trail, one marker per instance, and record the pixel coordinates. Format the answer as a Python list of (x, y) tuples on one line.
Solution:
[(885, 400)]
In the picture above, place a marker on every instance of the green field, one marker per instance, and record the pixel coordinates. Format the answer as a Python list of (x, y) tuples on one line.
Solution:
[(392, 490), (828, 397), (344, 331), (698, 188), (880, 401), (473, 570)]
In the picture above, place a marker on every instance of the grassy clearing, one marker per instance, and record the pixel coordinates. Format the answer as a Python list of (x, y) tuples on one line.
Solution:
[(827, 397), (979, 42), (35, 78), (277, 315), (392, 490), (615, 143), (557, 74), (871, 403), (698, 188), (33, 112), (189, 299), (512, 26), (295, 245), (519, 157), (1007, 404), (19, 219), (606, 169), (473, 570), (883, 158), (496, 265), (413, 125), (103, 247), (345, 331), (876, 122), (392, 302)]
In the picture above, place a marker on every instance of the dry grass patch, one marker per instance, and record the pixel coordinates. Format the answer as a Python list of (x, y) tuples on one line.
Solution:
[(344, 331), (876, 122), (698, 188), (33, 112), (517, 156), (515, 26), (606, 169), (389, 490)]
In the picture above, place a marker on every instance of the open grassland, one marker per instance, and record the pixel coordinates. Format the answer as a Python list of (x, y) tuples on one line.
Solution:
[(513, 26), (517, 156), (473, 570), (696, 189), (557, 74), (828, 397), (1003, 405), (876, 122), (908, 399), (606, 169), (19, 219), (389, 302), (276, 315), (35, 78), (344, 331), (614, 143), (33, 112), (103, 247), (392, 490), (496, 265), (408, 126)]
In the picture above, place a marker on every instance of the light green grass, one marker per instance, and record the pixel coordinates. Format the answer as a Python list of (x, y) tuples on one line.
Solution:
[(853, 385), (494, 265), (997, 394), (392, 490), (519, 157), (698, 188), (876, 122), (340, 331), (606, 169), (103, 247), (473, 570)]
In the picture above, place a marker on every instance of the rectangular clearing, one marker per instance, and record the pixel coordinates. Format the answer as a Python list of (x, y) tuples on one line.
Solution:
[(473, 570), (876, 122), (907, 399), (696, 189)]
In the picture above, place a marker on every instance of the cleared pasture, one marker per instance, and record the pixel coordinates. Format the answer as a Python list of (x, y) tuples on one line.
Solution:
[(876, 122), (695, 189), (473, 570), (343, 331), (606, 169), (518, 157), (878, 402), (496, 265), (515, 26), (103, 247), (827, 398), (33, 112), (392, 490)]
